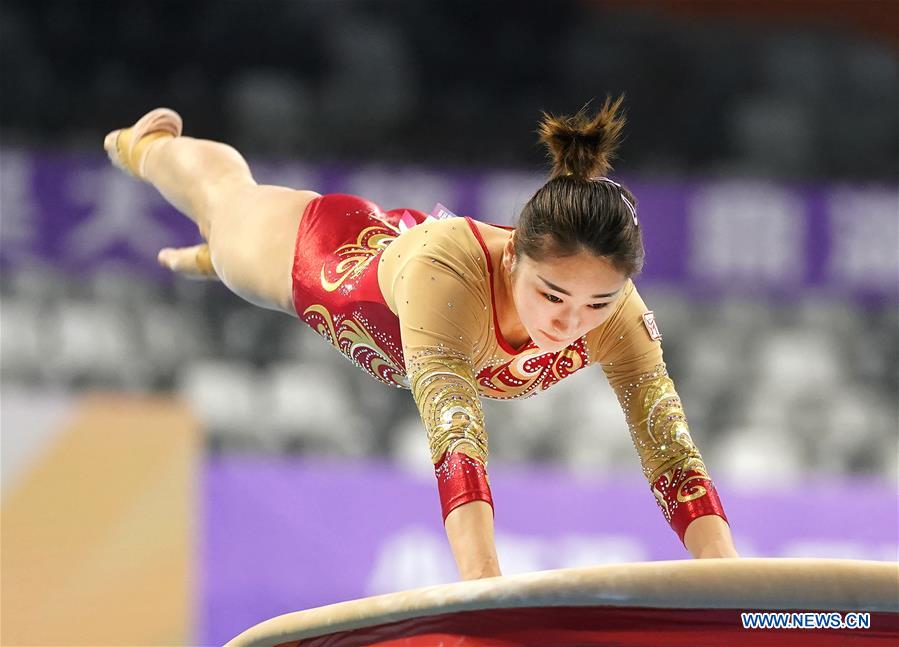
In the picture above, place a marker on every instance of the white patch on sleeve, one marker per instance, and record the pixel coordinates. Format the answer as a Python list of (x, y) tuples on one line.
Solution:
[(652, 327)]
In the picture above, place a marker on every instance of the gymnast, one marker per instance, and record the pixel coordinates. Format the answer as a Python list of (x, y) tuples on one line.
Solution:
[(452, 308)]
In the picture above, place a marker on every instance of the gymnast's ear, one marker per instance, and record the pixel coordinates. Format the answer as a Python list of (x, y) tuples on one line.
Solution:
[(509, 253)]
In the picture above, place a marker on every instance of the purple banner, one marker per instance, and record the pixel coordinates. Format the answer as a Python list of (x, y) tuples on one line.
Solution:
[(739, 236), (281, 535)]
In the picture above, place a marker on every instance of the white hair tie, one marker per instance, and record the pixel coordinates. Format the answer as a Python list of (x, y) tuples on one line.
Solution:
[(630, 205)]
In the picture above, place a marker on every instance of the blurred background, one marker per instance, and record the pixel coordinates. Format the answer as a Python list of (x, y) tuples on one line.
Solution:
[(178, 465)]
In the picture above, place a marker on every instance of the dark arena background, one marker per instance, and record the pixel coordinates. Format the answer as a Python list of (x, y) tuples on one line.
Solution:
[(179, 466)]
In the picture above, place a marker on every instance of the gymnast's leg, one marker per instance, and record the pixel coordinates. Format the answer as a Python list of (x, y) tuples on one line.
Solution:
[(251, 229)]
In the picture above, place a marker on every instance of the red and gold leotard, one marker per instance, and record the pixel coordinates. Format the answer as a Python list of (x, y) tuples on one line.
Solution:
[(409, 299)]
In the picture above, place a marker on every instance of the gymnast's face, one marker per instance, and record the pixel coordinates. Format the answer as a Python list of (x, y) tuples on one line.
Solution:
[(560, 299)]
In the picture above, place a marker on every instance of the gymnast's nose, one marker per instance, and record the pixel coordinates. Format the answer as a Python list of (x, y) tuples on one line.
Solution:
[(563, 326)]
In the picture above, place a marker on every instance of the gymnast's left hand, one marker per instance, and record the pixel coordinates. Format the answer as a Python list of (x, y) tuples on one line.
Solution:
[(709, 537)]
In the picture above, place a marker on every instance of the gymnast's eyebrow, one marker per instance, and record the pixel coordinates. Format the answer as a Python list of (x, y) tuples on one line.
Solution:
[(566, 292)]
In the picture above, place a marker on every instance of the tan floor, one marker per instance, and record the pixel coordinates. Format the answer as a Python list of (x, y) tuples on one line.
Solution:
[(98, 536)]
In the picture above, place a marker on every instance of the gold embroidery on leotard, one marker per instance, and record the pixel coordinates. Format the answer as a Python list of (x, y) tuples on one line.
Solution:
[(357, 256), (660, 433), (447, 397), (683, 492), (352, 337), (324, 326)]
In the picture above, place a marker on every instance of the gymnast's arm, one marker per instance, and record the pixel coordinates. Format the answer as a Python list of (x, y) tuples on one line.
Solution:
[(444, 389), (469, 529), (632, 360), (438, 340)]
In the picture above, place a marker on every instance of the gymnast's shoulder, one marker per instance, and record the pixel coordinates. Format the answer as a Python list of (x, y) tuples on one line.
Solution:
[(631, 333), (455, 250)]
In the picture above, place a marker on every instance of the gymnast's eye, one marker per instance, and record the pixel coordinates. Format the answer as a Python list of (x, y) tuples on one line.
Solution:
[(598, 306), (552, 298)]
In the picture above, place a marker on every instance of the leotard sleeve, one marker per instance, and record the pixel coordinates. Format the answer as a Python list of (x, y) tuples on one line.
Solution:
[(628, 346), (442, 307)]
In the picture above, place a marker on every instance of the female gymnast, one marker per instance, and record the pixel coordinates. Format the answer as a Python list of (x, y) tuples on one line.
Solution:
[(452, 308)]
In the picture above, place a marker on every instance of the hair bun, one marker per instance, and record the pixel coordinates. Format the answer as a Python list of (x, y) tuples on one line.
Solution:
[(580, 145)]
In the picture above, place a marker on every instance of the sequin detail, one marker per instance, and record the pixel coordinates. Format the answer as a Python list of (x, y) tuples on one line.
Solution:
[(671, 462), (460, 480), (444, 389), (355, 257), (339, 242), (529, 372), (360, 342)]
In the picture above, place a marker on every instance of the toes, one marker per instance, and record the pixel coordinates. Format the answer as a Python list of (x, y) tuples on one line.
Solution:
[(167, 257), (109, 141), (110, 145)]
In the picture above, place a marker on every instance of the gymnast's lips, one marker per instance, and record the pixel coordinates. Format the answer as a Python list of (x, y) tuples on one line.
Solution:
[(551, 338)]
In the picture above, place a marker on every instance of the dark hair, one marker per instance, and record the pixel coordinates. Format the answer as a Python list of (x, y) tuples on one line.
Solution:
[(575, 210)]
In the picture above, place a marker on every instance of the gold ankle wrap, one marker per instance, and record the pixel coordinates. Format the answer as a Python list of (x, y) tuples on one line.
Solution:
[(128, 147), (204, 261), (134, 161)]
